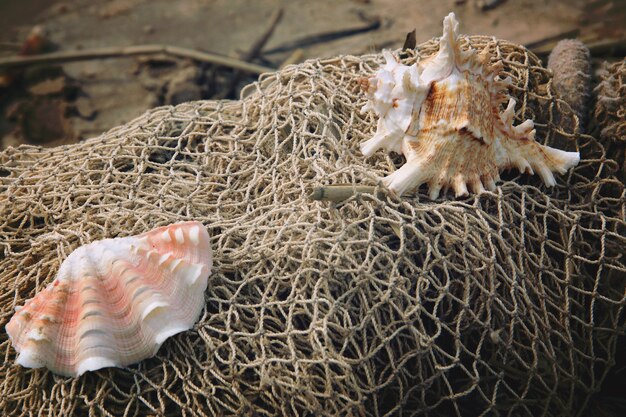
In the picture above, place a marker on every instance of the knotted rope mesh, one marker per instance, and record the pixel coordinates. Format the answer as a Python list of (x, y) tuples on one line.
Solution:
[(507, 302), (610, 111)]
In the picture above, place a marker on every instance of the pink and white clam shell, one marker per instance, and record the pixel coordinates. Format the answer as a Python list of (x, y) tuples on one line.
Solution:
[(115, 301), (443, 114)]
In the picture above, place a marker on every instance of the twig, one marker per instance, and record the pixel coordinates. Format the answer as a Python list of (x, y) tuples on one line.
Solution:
[(323, 37), (253, 52), (340, 192), (410, 42), (256, 48), (295, 57), (113, 52), (610, 47), (552, 39), (613, 47), (485, 5), (10, 45)]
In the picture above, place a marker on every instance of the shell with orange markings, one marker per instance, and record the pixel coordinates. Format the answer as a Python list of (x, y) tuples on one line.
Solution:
[(443, 114), (115, 301)]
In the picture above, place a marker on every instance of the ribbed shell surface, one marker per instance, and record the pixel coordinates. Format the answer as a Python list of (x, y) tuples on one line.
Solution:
[(115, 301)]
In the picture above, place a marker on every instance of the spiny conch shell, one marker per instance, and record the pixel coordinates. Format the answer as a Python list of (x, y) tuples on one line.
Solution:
[(443, 114), (115, 301)]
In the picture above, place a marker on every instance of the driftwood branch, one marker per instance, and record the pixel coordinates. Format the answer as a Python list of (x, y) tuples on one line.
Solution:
[(101, 53)]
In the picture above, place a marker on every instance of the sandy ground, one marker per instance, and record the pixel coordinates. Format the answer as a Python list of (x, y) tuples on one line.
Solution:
[(65, 103), (100, 94)]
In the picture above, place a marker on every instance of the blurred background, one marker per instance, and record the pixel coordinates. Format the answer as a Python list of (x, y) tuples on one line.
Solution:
[(91, 90)]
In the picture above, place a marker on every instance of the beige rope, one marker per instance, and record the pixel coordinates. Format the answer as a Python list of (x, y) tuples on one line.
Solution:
[(507, 302)]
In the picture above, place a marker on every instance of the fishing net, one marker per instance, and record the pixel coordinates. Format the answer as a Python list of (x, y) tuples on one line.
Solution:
[(610, 111), (510, 302)]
